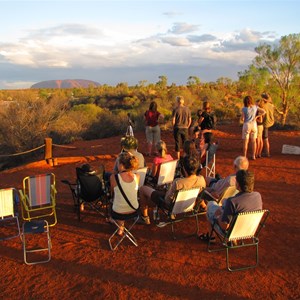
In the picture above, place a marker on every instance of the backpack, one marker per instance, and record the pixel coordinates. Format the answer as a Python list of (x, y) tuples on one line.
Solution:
[(209, 122)]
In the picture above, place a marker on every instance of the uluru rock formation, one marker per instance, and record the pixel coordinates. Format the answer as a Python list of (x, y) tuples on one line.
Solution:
[(64, 84)]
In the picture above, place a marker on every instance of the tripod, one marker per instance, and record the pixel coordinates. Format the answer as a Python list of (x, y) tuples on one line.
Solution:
[(129, 131)]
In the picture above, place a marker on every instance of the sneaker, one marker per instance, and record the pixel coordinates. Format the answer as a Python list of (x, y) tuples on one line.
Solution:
[(144, 220)]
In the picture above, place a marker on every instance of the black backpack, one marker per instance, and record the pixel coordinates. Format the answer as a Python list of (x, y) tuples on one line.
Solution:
[(209, 122)]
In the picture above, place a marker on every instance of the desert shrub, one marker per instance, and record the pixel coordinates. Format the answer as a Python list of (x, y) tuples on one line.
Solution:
[(75, 123), (27, 120), (107, 124)]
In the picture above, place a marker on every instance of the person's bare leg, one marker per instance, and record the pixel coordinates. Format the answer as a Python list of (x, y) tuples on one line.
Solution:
[(253, 144), (266, 147), (121, 229), (145, 196), (245, 147), (259, 145)]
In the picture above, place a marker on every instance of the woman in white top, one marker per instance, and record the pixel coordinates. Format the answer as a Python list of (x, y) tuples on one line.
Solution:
[(249, 114), (129, 183)]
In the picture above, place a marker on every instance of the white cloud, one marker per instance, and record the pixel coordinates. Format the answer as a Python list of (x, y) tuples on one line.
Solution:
[(182, 28), (71, 48), (175, 41)]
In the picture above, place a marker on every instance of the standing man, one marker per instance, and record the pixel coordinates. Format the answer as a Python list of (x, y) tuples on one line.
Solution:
[(268, 121), (181, 121)]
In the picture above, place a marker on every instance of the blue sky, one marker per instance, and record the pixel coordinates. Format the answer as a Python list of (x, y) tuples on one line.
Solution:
[(130, 41)]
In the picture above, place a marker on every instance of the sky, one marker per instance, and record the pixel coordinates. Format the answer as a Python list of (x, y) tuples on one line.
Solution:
[(133, 41)]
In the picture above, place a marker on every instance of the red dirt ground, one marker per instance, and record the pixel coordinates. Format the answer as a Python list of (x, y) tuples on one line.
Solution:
[(82, 264)]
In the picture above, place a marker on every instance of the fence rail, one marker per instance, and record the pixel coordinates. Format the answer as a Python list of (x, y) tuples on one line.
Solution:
[(47, 153)]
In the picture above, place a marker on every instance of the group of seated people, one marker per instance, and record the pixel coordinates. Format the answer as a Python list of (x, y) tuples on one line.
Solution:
[(127, 197)]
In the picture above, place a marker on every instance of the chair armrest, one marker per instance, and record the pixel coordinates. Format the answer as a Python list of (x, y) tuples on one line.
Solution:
[(23, 199), (208, 194), (53, 188)]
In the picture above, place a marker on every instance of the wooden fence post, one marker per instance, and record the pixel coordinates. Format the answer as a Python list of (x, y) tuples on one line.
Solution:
[(48, 149)]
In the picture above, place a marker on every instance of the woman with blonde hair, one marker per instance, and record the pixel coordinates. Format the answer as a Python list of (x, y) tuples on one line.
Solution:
[(162, 156), (127, 181)]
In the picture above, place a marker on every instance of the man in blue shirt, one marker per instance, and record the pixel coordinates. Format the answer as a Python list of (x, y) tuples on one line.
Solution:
[(245, 200)]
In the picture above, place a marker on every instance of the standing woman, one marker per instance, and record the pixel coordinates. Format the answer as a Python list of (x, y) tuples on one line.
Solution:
[(152, 117), (129, 183), (249, 114)]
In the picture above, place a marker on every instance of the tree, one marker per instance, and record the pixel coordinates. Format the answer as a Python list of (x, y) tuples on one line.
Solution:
[(282, 61), (193, 81), (163, 82), (253, 80)]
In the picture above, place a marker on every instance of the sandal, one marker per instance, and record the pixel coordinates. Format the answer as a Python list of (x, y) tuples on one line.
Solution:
[(144, 220), (205, 237)]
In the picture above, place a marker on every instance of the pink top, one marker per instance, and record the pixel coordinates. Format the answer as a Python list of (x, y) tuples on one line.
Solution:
[(158, 160)]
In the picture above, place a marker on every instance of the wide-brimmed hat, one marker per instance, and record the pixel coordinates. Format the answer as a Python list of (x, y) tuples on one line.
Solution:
[(87, 168)]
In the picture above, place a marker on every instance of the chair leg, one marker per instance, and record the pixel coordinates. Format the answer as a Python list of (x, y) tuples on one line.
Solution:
[(32, 231), (255, 243), (126, 234), (15, 218)]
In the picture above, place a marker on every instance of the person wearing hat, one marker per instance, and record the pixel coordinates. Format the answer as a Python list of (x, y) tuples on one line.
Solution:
[(268, 121)]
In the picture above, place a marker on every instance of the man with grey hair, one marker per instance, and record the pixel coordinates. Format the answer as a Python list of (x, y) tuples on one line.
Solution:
[(181, 121), (216, 187)]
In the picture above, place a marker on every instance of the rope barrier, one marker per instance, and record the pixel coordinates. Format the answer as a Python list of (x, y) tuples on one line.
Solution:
[(24, 152), (62, 146)]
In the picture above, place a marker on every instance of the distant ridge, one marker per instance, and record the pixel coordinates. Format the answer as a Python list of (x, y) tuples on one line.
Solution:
[(64, 84)]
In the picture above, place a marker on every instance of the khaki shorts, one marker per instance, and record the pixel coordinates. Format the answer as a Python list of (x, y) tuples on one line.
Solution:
[(260, 129), (249, 130)]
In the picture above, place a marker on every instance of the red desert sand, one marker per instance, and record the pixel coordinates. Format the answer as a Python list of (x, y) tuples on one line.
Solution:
[(83, 266)]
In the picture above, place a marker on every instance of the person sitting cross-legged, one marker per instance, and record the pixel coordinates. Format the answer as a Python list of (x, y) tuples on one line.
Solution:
[(150, 196), (246, 200)]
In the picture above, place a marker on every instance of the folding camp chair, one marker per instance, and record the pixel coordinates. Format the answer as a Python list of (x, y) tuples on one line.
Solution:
[(142, 172), (228, 192), (134, 217), (38, 198), (182, 207), (167, 173), (33, 246), (89, 189), (243, 232), (210, 160), (8, 213)]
